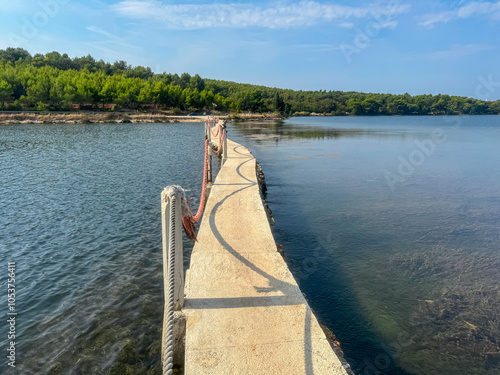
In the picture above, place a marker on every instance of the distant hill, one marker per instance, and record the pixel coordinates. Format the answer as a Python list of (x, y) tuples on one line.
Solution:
[(58, 82)]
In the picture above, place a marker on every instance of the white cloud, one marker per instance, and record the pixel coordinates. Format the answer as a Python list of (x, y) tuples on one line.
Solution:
[(278, 16), (474, 8), (457, 52), (346, 25), (387, 25)]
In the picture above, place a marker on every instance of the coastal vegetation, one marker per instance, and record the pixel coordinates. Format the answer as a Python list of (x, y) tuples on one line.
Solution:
[(56, 82)]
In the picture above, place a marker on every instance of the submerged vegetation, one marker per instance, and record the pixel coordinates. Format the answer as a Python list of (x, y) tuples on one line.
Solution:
[(437, 309), (460, 323), (57, 82)]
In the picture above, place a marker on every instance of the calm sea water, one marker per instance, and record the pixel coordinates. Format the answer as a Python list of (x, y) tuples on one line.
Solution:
[(80, 217), (391, 226)]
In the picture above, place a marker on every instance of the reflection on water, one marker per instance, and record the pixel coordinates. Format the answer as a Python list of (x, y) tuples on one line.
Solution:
[(278, 130), (407, 278)]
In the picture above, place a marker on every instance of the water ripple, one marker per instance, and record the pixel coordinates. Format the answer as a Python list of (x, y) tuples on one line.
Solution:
[(80, 216)]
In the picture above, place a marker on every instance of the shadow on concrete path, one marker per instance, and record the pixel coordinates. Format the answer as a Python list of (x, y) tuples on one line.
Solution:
[(274, 283)]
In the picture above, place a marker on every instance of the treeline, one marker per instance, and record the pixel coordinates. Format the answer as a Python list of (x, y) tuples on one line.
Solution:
[(339, 103), (58, 82)]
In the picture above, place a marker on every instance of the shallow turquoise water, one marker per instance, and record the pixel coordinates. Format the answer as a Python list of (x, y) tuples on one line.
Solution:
[(391, 226), (80, 216)]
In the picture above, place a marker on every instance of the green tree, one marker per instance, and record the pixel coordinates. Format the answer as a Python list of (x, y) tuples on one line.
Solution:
[(59, 82), (207, 99), (15, 54), (256, 101), (495, 107), (278, 103), (185, 80), (161, 94), (196, 82), (140, 72), (6, 93), (371, 106), (146, 95)]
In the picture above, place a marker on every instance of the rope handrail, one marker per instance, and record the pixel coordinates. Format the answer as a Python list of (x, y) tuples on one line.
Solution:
[(168, 318), (217, 133), (189, 221), (201, 206), (179, 211), (221, 143)]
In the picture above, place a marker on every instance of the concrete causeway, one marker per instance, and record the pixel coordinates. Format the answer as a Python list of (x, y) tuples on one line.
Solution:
[(245, 313)]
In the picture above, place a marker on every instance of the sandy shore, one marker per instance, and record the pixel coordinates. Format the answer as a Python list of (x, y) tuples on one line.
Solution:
[(112, 117)]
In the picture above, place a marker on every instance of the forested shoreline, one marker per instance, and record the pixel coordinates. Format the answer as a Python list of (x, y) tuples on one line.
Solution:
[(55, 82)]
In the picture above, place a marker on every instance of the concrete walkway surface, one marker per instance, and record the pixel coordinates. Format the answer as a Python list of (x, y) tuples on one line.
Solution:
[(245, 312)]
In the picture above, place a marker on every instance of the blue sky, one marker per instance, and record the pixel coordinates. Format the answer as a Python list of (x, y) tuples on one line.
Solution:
[(392, 46)]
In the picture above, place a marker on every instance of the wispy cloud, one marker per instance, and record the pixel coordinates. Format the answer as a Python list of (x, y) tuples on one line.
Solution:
[(111, 44), (8, 6), (346, 25), (474, 8), (314, 47), (273, 16), (457, 52)]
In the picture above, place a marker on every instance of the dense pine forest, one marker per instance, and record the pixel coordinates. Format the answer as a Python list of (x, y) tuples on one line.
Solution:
[(59, 83)]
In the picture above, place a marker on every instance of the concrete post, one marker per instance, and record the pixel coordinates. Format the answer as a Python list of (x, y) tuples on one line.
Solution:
[(175, 245), (209, 167), (224, 145), (220, 134), (208, 132)]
